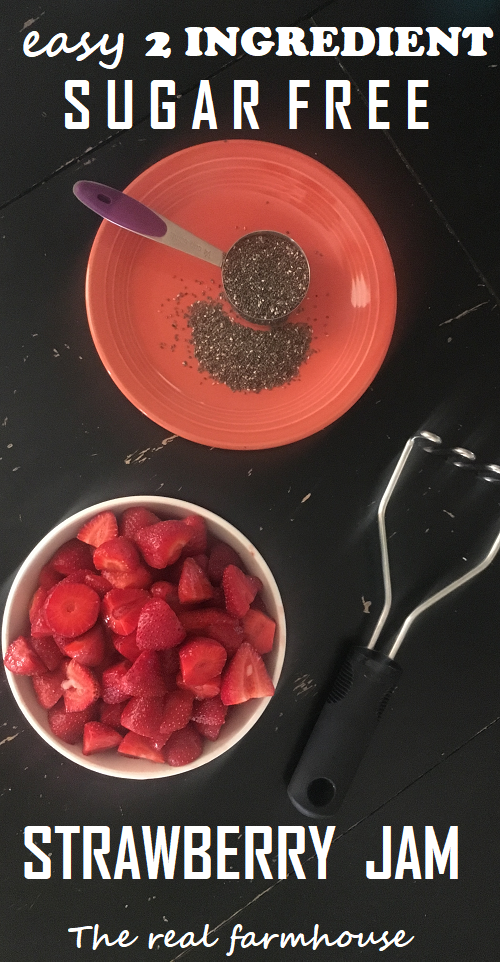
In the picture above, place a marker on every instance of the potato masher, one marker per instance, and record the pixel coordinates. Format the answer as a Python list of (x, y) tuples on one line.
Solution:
[(368, 676)]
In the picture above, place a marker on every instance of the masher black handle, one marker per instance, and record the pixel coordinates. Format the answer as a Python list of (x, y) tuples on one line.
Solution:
[(342, 732)]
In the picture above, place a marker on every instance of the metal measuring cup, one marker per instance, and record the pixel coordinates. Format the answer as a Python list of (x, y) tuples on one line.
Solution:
[(265, 274)]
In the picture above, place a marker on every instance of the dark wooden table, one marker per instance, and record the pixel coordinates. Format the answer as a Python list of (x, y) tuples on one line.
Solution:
[(70, 439)]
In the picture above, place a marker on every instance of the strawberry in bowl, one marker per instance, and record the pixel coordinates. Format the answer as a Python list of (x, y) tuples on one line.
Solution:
[(143, 636)]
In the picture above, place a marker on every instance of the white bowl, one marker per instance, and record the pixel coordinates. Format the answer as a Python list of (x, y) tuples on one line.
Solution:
[(15, 622)]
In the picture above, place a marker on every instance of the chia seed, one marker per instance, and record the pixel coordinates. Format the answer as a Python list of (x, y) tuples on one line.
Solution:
[(265, 275), (242, 358)]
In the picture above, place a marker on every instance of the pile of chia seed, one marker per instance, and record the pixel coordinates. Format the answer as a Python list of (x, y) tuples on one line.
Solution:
[(265, 276), (241, 357)]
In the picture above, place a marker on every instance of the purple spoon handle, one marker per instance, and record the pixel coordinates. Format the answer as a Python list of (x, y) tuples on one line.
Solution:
[(119, 208), (126, 212)]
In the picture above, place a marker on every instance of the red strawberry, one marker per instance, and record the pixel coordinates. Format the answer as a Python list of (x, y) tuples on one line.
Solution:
[(220, 557), (48, 688), (213, 623), (38, 600), (259, 630), (71, 609), (239, 590), (121, 608), (120, 554), (48, 577), (194, 585), (98, 582), (201, 659), (210, 711), (183, 747), (140, 577), (39, 625), (167, 591), (99, 529), (81, 687), (245, 677), (158, 626), (161, 544), (142, 715), (48, 651), (68, 725), (139, 747), (209, 689), (111, 683), (127, 646), (98, 737), (145, 676), (88, 649), (71, 556), (111, 715), (210, 732), (199, 536), (78, 576), (176, 711), (22, 660), (134, 518)]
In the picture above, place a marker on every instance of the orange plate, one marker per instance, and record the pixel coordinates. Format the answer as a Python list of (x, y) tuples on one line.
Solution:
[(137, 293)]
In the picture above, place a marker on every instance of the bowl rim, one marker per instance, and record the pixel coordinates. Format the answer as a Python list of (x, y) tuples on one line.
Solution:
[(40, 554)]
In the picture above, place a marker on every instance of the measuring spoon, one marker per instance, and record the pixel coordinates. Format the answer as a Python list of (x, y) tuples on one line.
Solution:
[(265, 274)]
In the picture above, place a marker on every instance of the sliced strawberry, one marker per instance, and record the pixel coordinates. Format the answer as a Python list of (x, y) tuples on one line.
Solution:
[(167, 591), (140, 577), (111, 715), (47, 650), (88, 649), (214, 623), (210, 732), (239, 590), (99, 529), (120, 554), (158, 626), (78, 576), (71, 609), (161, 544), (99, 738), (139, 747), (142, 715), (183, 747), (245, 677), (220, 557), (48, 687), (98, 582), (201, 659), (259, 630), (208, 689), (127, 646), (170, 660), (48, 576), (38, 600), (134, 518), (111, 683), (71, 556), (121, 608), (68, 725), (145, 676), (177, 711), (81, 687), (199, 535), (194, 585), (210, 711), (22, 660)]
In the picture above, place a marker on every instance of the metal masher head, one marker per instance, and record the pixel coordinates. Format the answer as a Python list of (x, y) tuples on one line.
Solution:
[(461, 458)]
